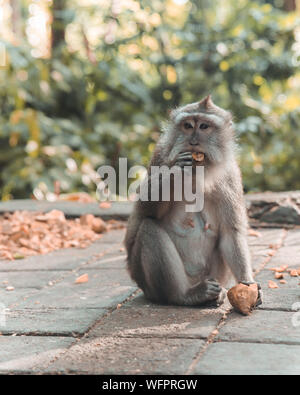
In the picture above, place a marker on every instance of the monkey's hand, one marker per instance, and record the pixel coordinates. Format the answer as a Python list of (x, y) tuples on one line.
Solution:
[(211, 292), (184, 159), (260, 293)]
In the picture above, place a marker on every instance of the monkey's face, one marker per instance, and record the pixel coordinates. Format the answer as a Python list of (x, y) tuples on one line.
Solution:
[(206, 130)]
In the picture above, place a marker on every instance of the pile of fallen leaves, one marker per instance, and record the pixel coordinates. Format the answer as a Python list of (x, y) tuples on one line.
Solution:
[(25, 233), (281, 273)]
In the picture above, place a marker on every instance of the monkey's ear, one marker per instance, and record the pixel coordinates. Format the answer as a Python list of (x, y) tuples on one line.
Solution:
[(206, 103)]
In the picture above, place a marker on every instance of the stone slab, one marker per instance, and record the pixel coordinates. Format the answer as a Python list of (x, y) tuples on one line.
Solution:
[(259, 254), (169, 322), (64, 259), (261, 327), (27, 279), (118, 210), (230, 358), (105, 288), (113, 355), (286, 255), (113, 260), (279, 298), (28, 354), (18, 295), (292, 238), (268, 236), (49, 321)]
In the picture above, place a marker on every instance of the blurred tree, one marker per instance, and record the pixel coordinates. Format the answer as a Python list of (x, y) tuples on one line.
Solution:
[(116, 69), (16, 18), (58, 26)]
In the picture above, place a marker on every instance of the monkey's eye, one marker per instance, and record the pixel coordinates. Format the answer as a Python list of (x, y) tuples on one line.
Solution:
[(187, 125), (204, 126)]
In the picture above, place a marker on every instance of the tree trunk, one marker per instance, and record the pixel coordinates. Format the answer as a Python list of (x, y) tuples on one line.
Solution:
[(290, 5), (58, 23), (16, 21)]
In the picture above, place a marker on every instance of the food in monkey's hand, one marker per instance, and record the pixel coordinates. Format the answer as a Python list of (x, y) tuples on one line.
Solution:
[(243, 297), (198, 156)]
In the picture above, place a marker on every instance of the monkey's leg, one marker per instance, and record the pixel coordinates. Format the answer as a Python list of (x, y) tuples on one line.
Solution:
[(163, 278)]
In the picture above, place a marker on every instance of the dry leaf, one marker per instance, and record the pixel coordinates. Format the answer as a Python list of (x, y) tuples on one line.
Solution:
[(294, 273), (272, 284), (82, 279), (271, 253), (105, 205), (279, 269), (81, 197), (32, 233), (252, 232), (282, 282), (98, 225), (87, 219), (278, 275)]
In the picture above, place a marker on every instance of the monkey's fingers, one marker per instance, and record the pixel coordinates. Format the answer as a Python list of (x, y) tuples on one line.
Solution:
[(183, 162), (260, 294)]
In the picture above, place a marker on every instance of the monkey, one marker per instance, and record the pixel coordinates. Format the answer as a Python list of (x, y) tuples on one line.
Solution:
[(186, 258)]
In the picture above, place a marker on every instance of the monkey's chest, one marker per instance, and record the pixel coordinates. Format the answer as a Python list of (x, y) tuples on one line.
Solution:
[(195, 238)]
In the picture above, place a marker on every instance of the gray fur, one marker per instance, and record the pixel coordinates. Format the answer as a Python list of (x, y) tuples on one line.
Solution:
[(186, 258)]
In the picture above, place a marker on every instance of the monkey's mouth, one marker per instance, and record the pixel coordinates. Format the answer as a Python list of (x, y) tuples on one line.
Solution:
[(198, 156)]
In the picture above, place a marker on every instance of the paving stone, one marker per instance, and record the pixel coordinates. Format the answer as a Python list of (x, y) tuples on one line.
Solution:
[(64, 259), (287, 255), (261, 327), (114, 236), (30, 353), (259, 254), (169, 322), (49, 321), (27, 279), (118, 210), (230, 358), (113, 260), (113, 355), (279, 298), (268, 237), (105, 288), (18, 295), (292, 238)]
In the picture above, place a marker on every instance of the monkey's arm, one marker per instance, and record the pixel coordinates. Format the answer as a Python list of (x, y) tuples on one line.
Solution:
[(233, 228)]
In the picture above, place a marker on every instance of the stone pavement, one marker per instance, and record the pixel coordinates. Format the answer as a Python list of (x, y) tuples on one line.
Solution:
[(49, 324)]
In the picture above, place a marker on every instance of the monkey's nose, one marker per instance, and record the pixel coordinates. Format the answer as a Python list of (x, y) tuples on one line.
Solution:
[(194, 142)]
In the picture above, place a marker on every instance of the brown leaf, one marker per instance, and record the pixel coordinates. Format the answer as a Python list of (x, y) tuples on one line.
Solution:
[(252, 232), (278, 275), (105, 205), (272, 284), (84, 278)]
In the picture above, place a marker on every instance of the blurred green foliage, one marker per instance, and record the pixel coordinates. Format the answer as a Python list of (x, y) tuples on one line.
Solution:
[(64, 116)]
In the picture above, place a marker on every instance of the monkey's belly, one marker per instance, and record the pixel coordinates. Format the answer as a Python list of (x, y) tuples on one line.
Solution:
[(196, 245)]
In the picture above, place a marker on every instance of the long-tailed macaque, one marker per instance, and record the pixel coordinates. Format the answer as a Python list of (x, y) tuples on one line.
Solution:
[(186, 258)]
